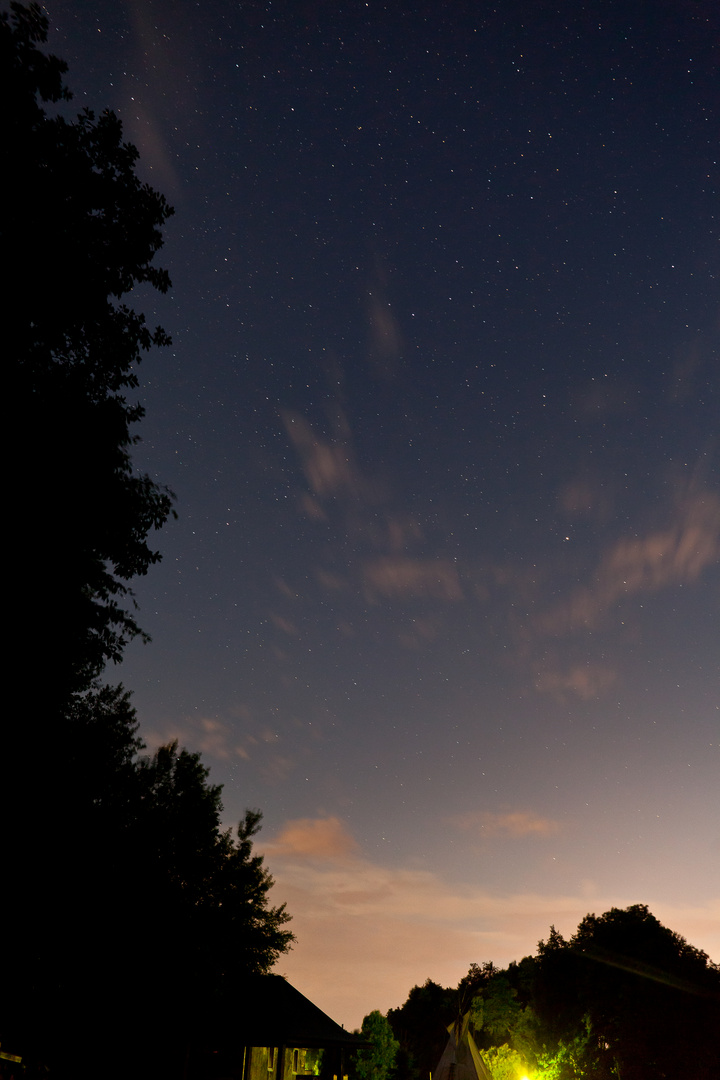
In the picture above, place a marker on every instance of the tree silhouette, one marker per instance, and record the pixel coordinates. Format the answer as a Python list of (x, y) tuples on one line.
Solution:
[(624, 997), (651, 999), (128, 912), (78, 232), (420, 1025), (146, 913)]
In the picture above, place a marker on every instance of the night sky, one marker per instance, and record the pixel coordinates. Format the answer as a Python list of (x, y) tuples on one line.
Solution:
[(441, 413)]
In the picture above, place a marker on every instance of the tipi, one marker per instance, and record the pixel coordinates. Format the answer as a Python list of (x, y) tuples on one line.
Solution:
[(461, 1059)]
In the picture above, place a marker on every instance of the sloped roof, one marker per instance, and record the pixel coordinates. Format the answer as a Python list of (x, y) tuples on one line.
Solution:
[(271, 1012)]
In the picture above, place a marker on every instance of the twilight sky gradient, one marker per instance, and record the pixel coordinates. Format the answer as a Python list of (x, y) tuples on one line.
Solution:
[(441, 413)]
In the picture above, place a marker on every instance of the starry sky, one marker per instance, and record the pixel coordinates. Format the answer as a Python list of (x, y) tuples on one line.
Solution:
[(441, 415)]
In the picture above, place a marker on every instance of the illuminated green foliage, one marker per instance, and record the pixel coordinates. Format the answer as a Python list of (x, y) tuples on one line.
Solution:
[(503, 1016), (376, 1063), (570, 1060), (505, 1063)]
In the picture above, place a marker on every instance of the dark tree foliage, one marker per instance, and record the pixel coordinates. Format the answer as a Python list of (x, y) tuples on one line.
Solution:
[(625, 997), (78, 232), (139, 937), (420, 1026), (128, 913), (203, 898), (208, 877), (651, 999)]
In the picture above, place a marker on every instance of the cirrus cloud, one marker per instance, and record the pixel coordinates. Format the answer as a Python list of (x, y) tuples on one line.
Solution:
[(586, 681), (516, 823), (676, 555), (392, 575)]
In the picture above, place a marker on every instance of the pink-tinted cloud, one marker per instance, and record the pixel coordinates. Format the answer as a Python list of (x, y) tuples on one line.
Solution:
[(277, 767), (583, 499), (286, 590), (600, 397), (208, 735), (517, 823), (314, 838), (385, 336), (586, 681), (218, 740), (327, 463), (402, 532), (330, 579), (148, 123), (284, 624), (419, 632), (676, 555), (313, 508), (393, 576)]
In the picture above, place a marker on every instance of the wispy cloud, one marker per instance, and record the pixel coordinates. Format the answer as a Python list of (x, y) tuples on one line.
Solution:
[(284, 624), (207, 735), (342, 885), (419, 632), (517, 823), (675, 555), (392, 575), (219, 741), (385, 336), (323, 838), (580, 499), (383, 566), (327, 462), (585, 681)]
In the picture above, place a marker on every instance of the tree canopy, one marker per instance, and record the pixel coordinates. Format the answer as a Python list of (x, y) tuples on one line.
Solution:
[(648, 998), (79, 232), (146, 913), (376, 1062), (624, 997), (420, 1026), (133, 912)]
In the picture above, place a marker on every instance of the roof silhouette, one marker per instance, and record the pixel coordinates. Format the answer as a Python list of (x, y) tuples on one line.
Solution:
[(271, 1012)]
